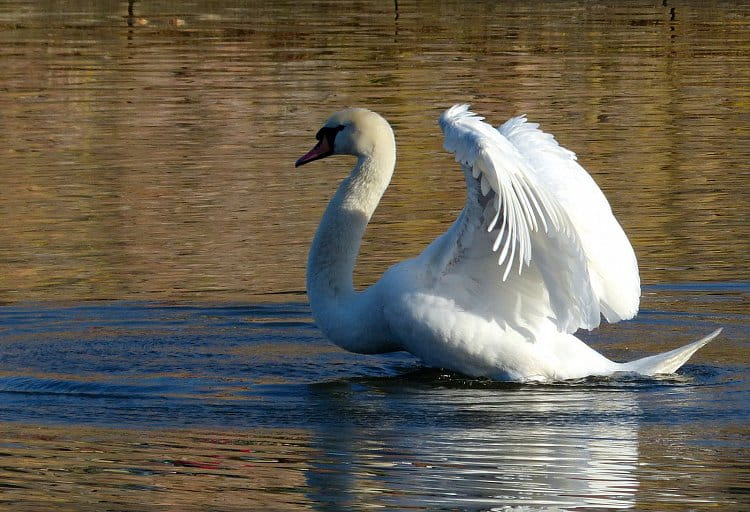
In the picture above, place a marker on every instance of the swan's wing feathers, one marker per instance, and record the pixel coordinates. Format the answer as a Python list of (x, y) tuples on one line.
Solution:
[(515, 216), (610, 257), (512, 204)]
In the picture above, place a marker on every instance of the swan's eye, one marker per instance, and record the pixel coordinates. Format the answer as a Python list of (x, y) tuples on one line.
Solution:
[(329, 132)]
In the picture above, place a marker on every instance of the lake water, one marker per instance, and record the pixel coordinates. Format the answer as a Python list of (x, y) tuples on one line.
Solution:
[(156, 348)]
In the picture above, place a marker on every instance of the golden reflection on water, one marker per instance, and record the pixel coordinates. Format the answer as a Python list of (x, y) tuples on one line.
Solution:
[(574, 448), (83, 469), (156, 160), (494, 460), (672, 452)]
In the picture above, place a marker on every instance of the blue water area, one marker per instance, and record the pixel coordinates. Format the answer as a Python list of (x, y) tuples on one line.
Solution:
[(175, 365), (162, 364)]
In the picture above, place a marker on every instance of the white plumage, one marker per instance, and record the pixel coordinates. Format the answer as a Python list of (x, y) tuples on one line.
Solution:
[(535, 255)]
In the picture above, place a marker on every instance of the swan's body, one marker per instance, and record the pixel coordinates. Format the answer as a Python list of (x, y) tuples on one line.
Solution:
[(535, 255)]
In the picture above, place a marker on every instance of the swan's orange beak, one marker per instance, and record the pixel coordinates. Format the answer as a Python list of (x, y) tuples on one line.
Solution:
[(321, 150)]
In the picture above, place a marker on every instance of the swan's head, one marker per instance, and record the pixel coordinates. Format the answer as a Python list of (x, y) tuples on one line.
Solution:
[(354, 131)]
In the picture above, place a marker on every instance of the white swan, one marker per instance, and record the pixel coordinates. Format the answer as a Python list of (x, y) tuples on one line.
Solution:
[(534, 255)]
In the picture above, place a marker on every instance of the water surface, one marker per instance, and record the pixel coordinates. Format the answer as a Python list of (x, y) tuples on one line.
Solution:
[(156, 348)]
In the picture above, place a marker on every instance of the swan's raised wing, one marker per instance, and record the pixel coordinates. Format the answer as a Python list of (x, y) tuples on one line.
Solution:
[(610, 259), (521, 237)]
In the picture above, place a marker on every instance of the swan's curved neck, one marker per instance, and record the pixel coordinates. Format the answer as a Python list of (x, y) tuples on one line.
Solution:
[(347, 317)]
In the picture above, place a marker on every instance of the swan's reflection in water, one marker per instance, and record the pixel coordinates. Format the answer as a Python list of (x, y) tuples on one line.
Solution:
[(475, 449)]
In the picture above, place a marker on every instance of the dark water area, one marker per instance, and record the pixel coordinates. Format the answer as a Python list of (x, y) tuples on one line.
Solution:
[(157, 351), (171, 365)]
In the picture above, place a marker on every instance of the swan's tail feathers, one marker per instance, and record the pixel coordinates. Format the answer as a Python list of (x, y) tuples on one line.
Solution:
[(668, 362)]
